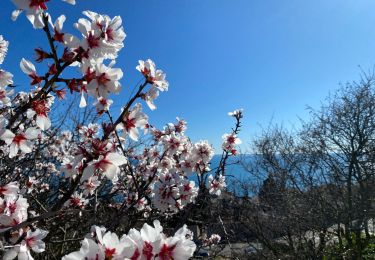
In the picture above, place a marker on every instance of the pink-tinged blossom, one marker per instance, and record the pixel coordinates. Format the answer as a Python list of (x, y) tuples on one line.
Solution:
[(107, 164), (102, 105), (153, 76), (216, 185), (215, 239), (103, 80), (203, 151), (68, 167), (147, 244), (173, 143), (188, 192), (112, 246), (180, 246), (103, 36), (29, 69), (40, 109), (90, 185), (88, 132), (132, 121), (31, 183), (230, 143), (110, 30), (20, 141), (166, 194), (13, 209), (76, 200), (3, 48), (12, 188), (33, 241)]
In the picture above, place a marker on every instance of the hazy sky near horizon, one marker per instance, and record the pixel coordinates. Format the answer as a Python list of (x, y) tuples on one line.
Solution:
[(271, 58)]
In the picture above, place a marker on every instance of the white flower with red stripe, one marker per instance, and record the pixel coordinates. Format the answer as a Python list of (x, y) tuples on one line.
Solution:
[(13, 209), (146, 244), (230, 143), (76, 200), (102, 80), (102, 105), (12, 188), (153, 76), (32, 241), (90, 185), (132, 121), (110, 30), (40, 109), (216, 185), (20, 141), (108, 164), (103, 36), (112, 246), (180, 246)]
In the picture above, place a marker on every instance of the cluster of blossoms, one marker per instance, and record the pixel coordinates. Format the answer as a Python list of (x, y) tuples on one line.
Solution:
[(13, 211), (214, 239), (102, 165), (148, 243), (6, 78), (216, 185)]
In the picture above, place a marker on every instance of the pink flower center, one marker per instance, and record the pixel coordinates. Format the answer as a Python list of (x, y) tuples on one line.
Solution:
[(109, 252), (38, 3), (35, 79), (40, 108), (102, 164), (166, 252), (76, 202), (102, 79), (109, 34), (103, 101), (187, 187), (135, 255), (215, 185), (30, 241), (12, 207), (2, 190), (129, 123), (147, 251), (231, 139), (2, 94), (58, 36), (92, 41), (18, 139)]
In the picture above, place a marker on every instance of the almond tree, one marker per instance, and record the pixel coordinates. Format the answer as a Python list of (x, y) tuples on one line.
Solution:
[(60, 187)]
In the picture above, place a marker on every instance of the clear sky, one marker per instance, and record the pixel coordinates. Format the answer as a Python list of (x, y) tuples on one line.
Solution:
[(271, 58)]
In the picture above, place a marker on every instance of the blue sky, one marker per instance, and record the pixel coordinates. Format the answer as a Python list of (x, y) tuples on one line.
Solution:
[(271, 58)]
